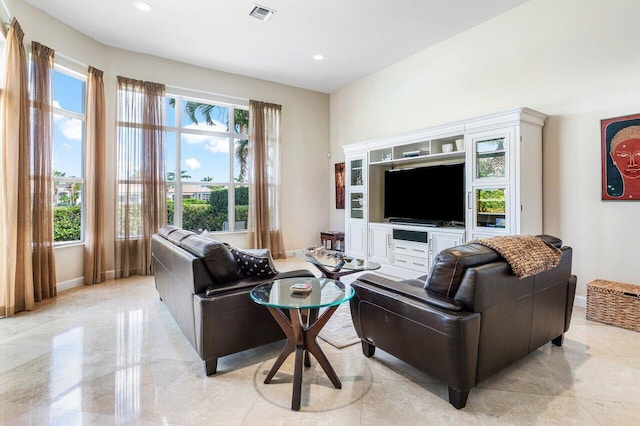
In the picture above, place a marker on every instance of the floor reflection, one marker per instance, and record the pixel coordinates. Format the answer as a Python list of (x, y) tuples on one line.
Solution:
[(66, 370), (129, 340)]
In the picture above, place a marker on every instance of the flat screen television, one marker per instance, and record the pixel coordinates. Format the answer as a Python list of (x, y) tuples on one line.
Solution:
[(429, 195)]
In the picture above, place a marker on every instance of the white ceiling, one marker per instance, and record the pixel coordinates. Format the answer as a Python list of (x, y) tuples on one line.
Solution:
[(356, 37)]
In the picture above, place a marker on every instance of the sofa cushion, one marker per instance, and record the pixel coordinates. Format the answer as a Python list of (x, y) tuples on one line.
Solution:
[(178, 235), (450, 265), (166, 230), (216, 255), (255, 263)]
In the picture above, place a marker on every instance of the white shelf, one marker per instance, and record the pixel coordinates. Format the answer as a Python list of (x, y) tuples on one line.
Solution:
[(422, 158), (430, 150)]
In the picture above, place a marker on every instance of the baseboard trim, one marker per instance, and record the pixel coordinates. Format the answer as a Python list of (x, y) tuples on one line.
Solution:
[(69, 284), (580, 301), (78, 282)]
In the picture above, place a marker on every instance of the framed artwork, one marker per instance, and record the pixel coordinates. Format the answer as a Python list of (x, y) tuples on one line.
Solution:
[(621, 158), (339, 185)]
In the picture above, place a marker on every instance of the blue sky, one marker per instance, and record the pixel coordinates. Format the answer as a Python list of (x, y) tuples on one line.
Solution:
[(201, 155), (68, 94)]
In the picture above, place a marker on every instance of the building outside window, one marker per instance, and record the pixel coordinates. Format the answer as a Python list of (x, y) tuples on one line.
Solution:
[(68, 155), (206, 163)]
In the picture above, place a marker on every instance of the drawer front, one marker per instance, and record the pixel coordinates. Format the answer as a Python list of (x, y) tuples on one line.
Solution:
[(406, 248), (419, 264)]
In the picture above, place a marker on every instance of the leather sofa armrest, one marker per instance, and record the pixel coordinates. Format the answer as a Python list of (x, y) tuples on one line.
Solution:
[(409, 288)]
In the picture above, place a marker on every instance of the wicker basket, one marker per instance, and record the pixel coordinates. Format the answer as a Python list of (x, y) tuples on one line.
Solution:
[(614, 303)]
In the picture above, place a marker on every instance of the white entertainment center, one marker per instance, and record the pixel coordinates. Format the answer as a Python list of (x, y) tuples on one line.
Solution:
[(502, 156)]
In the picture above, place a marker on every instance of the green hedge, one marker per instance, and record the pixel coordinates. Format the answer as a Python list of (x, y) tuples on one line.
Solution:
[(198, 214), (67, 221)]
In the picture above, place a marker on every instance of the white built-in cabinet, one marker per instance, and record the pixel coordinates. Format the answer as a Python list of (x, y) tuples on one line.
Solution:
[(504, 174), (380, 243), (356, 208), (502, 153)]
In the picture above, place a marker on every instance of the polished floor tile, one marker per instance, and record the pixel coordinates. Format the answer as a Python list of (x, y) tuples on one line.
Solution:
[(112, 354)]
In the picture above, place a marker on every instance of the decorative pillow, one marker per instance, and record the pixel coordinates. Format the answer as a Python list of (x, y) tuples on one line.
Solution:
[(255, 263)]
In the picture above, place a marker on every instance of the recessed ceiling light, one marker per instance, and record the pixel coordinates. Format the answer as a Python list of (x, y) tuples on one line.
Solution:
[(145, 7), (318, 57)]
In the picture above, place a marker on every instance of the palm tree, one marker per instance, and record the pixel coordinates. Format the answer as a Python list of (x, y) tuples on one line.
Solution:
[(206, 179), (242, 155), (171, 176), (56, 190), (74, 192), (240, 121)]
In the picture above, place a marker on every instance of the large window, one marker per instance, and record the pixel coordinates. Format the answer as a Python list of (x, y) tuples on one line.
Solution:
[(68, 155), (207, 146)]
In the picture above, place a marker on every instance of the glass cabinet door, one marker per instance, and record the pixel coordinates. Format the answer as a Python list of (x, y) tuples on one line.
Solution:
[(356, 205), (355, 172), (491, 207), (490, 158)]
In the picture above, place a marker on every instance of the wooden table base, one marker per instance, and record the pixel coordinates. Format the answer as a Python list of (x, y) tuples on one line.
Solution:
[(301, 338)]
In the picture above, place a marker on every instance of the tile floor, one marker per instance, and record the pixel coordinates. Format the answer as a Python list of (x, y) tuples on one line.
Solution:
[(112, 354)]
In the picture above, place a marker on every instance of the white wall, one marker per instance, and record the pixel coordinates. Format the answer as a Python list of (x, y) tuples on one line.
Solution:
[(576, 61), (304, 127)]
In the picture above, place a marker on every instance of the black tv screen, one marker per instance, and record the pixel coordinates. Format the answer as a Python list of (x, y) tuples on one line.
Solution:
[(429, 195)]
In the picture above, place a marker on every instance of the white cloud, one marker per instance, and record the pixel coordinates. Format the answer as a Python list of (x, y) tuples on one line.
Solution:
[(67, 146), (217, 145), (192, 163), (70, 128), (214, 144), (215, 127), (194, 139), (56, 104)]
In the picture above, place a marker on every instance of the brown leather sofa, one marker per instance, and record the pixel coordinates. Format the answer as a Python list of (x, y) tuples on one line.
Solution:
[(469, 320), (200, 282)]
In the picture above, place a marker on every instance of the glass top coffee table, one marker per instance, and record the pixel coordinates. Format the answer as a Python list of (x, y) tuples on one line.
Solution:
[(302, 325), (334, 264)]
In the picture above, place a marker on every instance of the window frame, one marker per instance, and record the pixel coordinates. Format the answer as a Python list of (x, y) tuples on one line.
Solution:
[(230, 135), (83, 118)]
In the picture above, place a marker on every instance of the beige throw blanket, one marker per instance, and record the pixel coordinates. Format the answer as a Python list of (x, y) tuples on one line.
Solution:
[(527, 255)]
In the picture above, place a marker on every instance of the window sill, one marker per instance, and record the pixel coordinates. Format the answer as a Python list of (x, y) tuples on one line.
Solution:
[(68, 244), (244, 231)]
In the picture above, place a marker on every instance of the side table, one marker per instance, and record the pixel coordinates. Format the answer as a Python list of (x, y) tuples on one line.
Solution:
[(302, 325), (335, 237)]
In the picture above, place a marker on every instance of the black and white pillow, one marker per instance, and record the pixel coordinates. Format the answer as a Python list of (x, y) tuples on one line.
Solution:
[(255, 263)]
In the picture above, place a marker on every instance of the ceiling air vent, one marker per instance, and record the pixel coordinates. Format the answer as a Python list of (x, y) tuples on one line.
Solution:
[(262, 13)]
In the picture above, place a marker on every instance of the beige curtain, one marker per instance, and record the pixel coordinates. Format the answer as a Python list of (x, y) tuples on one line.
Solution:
[(41, 89), (16, 274), (141, 206), (95, 141), (264, 179)]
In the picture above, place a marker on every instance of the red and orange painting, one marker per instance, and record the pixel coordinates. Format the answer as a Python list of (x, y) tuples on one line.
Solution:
[(339, 185), (621, 158)]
